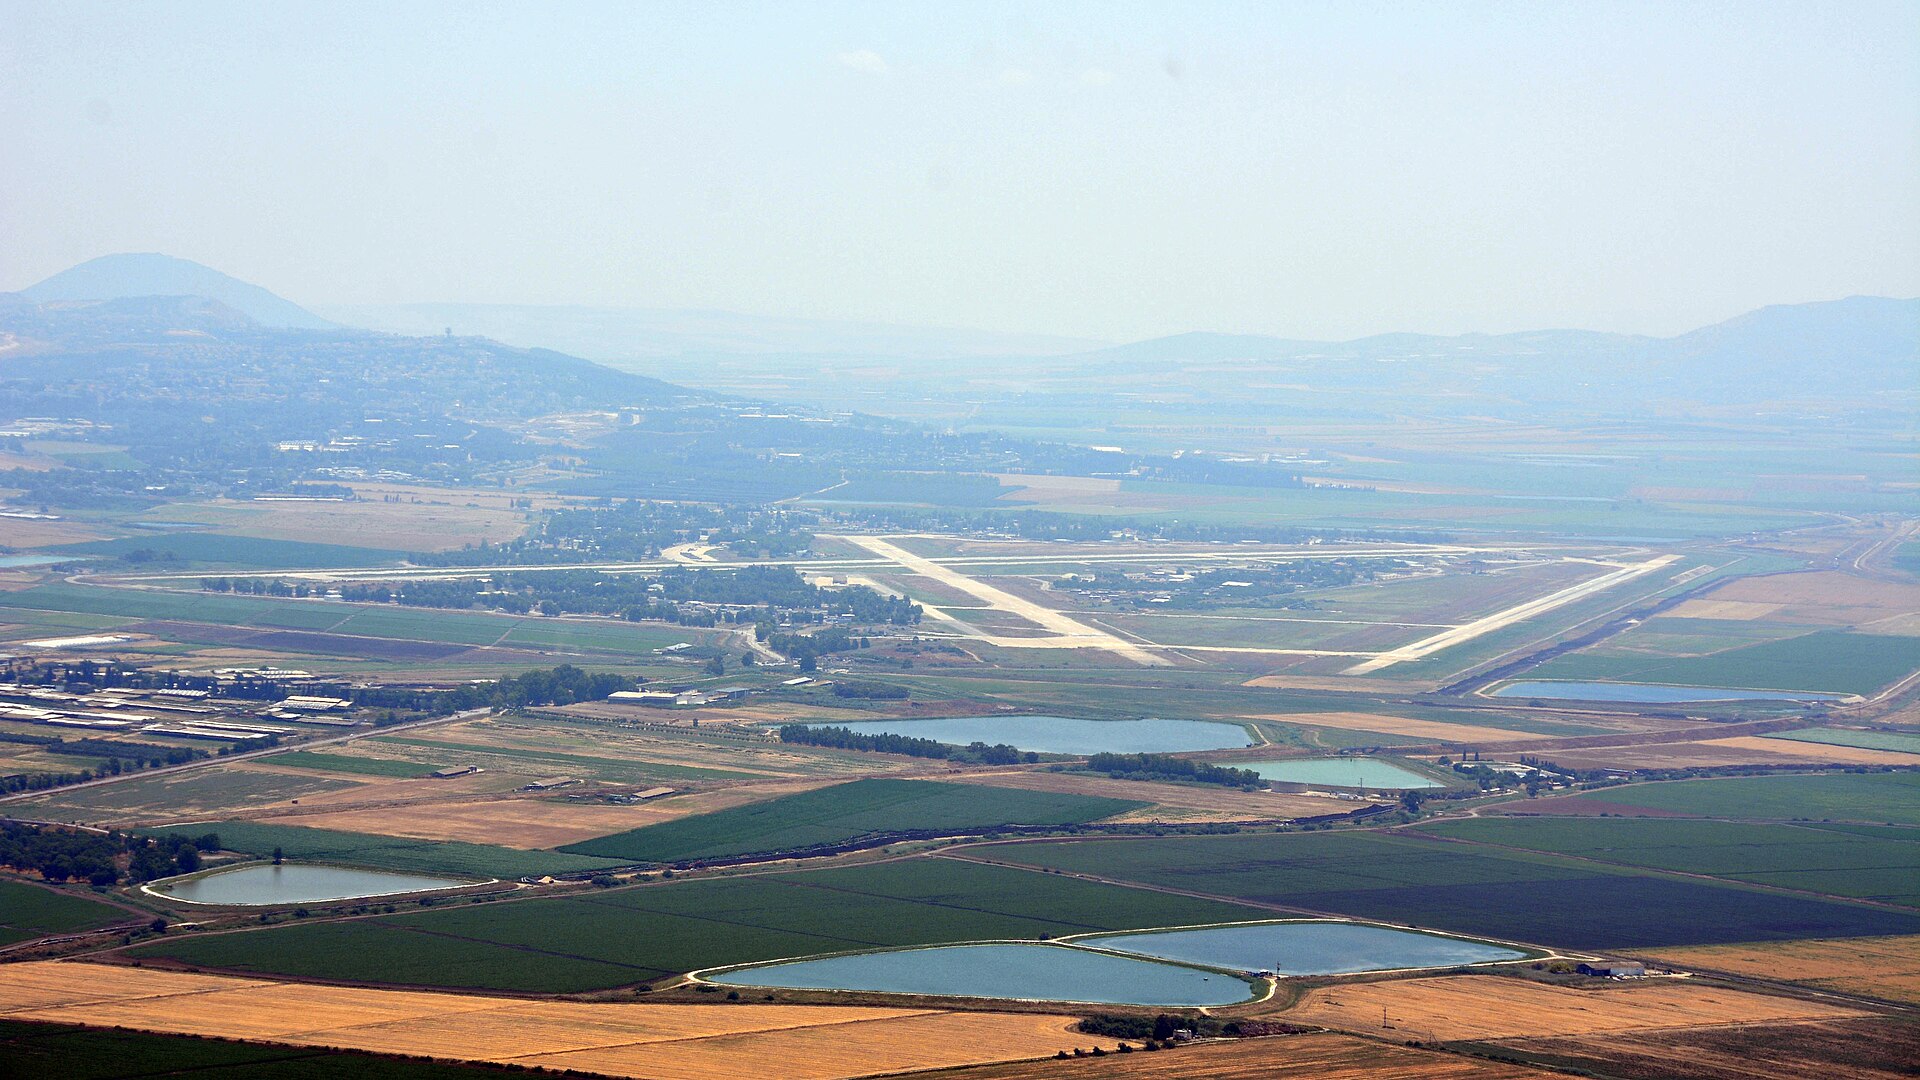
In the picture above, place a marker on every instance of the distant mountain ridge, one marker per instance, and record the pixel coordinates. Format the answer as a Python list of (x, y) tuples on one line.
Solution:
[(616, 335), (1877, 326), (1827, 349), (1863, 344), (120, 277)]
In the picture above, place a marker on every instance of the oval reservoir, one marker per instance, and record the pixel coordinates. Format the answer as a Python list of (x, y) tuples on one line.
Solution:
[(1366, 773), (1017, 972), (1307, 947), (262, 886)]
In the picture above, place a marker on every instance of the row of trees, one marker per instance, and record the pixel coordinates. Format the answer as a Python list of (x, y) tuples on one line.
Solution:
[(1168, 767), (883, 742)]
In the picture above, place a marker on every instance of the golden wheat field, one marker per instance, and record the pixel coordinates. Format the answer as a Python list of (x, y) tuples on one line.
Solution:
[(1437, 730), (814, 1042), (1484, 1007), (831, 1051), (1883, 967)]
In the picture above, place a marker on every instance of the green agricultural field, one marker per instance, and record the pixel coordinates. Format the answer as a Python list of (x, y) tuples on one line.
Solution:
[(1461, 888), (1891, 798), (176, 796), (342, 763), (1907, 557), (617, 937), (379, 621), (29, 911), (1862, 861), (72, 1053), (387, 852), (29, 623), (506, 757), (1903, 741), (845, 812), (1832, 661)]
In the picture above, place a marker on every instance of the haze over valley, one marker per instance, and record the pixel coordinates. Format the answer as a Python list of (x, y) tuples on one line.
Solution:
[(989, 542)]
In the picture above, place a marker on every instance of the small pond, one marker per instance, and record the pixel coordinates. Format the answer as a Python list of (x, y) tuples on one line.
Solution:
[(1306, 948), (260, 886), (1352, 772), (1013, 971), (1065, 735), (1650, 693), (17, 562)]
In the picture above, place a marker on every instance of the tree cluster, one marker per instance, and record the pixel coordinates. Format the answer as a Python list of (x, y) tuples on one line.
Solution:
[(1168, 767), (99, 858)]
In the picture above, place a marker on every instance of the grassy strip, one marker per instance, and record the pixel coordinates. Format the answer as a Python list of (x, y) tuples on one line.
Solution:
[(342, 763)]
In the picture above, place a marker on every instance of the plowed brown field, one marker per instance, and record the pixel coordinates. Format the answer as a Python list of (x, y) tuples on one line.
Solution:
[(660, 1042), (538, 823), (1485, 1007), (1829, 597)]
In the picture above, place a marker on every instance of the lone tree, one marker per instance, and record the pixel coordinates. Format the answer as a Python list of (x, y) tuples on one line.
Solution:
[(278, 856)]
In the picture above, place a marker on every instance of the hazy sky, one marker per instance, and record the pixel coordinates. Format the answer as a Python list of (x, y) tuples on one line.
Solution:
[(1106, 170)]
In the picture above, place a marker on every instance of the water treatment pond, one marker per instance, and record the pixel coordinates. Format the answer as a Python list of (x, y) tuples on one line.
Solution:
[(1650, 693), (1012, 971), (260, 886), (20, 562), (1348, 772), (1306, 948), (1065, 735)]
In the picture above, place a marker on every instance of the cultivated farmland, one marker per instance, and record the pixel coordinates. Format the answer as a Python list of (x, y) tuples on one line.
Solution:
[(1296, 1057), (1864, 1048), (45, 1049), (1876, 967), (847, 812), (28, 912), (1864, 861), (1491, 1007), (616, 937), (387, 852), (663, 1042), (1476, 890), (1874, 797), (1834, 661)]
